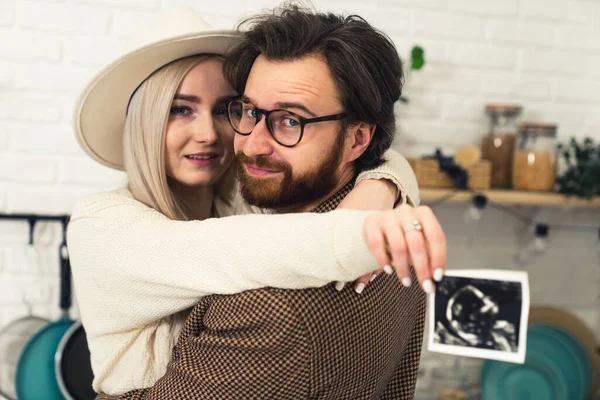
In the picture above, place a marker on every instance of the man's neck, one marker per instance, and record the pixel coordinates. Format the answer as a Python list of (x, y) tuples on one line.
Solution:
[(346, 176)]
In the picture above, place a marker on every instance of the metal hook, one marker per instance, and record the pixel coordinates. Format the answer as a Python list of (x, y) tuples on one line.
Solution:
[(32, 221), (64, 225)]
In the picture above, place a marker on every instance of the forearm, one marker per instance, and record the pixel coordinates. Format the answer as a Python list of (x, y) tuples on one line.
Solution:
[(145, 267), (398, 171)]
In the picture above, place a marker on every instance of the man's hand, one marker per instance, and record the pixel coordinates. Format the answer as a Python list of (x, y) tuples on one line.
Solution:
[(370, 194)]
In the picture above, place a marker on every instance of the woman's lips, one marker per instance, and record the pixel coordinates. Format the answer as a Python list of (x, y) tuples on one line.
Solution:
[(206, 160)]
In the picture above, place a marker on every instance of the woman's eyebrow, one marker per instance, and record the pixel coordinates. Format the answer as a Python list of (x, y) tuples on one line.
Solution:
[(187, 97), (196, 99)]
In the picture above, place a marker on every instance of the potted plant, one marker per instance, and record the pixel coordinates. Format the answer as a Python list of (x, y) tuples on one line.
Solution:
[(415, 63), (582, 168)]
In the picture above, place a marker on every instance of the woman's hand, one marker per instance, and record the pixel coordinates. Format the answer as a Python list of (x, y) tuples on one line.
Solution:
[(408, 236), (370, 194)]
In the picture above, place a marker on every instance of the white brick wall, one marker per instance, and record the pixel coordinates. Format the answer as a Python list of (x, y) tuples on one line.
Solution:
[(544, 54), (55, 17)]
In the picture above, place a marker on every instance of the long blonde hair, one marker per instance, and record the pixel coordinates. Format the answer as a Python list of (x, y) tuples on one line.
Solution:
[(144, 138)]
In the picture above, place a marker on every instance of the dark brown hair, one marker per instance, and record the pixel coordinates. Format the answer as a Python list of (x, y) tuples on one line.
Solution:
[(363, 61)]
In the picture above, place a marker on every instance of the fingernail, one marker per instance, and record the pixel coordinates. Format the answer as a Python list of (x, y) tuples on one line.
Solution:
[(428, 286), (388, 270), (438, 274), (373, 278), (406, 282), (339, 285), (359, 288)]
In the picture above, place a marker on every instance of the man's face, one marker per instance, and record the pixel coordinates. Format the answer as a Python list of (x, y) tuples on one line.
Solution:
[(274, 176)]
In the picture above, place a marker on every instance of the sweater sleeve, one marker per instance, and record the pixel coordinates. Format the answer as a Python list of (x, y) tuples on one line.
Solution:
[(398, 170), (133, 266)]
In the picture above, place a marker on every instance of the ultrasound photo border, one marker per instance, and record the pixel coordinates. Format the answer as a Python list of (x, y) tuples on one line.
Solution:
[(513, 357)]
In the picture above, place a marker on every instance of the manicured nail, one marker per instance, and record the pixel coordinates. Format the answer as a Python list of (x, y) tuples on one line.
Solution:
[(428, 286), (388, 270), (406, 282), (359, 288), (373, 278), (339, 285), (438, 274)]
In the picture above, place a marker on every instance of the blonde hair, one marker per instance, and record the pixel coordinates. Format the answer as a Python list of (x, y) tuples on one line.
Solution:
[(144, 138)]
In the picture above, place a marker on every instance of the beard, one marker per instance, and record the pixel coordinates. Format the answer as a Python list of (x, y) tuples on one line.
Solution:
[(288, 191)]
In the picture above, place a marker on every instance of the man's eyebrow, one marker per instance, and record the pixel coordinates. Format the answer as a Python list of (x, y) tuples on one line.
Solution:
[(297, 106), (245, 99), (187, 97), (284, 105)]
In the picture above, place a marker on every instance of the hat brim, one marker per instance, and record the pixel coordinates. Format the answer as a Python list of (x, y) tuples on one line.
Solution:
[(100, 110)]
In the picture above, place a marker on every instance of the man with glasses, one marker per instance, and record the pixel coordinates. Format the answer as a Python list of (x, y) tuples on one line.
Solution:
[(316, 106), (268, 181)]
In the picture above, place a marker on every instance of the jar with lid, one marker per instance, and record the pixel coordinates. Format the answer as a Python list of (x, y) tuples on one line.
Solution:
[(535, 157), (498, 145), (457, 381)]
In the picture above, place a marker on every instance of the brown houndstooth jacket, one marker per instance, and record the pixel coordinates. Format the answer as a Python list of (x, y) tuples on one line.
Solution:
[(299, 344)]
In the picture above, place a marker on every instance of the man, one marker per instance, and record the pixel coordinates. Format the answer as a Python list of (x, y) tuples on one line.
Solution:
[(317, 106)]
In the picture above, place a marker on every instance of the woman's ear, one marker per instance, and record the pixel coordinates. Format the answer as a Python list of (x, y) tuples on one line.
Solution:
[(359, 139)]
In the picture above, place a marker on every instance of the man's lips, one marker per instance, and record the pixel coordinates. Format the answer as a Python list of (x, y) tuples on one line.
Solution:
[(260, 172)]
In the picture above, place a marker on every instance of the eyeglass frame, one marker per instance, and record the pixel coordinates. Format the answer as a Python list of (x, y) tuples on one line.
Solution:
[(267, 113)]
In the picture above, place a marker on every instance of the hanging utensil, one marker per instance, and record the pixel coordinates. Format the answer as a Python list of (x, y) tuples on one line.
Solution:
[(15, 335), (73, 366), (36, 377), (13, 339)]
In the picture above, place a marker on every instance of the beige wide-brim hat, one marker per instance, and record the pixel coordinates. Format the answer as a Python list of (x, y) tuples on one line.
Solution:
[(101, 108)]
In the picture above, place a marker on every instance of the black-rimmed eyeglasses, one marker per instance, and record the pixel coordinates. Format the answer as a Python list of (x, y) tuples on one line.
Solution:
[(285, 126)]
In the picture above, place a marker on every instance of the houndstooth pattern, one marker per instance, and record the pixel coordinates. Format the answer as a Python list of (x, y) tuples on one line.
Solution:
[(298, 344)]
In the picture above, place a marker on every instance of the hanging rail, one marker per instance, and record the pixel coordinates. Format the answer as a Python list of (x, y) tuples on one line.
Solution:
[(32, 219)]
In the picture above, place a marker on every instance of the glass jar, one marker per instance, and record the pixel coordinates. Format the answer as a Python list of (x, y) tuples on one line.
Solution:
[(535, 157), (458, 381), (498, 145)]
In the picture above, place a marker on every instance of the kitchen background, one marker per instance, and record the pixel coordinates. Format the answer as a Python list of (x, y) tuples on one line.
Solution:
[(541, 54)]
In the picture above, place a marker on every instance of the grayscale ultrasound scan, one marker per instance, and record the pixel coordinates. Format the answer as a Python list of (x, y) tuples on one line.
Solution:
[(480, 313)]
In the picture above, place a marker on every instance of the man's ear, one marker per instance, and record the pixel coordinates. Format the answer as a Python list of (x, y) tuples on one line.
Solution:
[(358, 141)]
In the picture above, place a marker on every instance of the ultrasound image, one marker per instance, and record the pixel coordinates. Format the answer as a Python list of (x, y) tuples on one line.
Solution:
[(478, 313)]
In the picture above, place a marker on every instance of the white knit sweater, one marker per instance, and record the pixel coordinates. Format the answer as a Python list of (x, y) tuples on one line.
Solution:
[(136, 273)]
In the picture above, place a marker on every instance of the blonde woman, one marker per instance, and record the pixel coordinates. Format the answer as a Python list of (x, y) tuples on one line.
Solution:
[(143, 255)]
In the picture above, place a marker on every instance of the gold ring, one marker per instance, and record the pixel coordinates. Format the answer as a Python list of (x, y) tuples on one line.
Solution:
[(416, 226)]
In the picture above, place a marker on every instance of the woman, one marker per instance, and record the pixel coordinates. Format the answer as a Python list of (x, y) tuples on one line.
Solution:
[(144, 254)]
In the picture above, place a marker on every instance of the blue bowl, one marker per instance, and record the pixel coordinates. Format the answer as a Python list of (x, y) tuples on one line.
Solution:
[(556, 368)]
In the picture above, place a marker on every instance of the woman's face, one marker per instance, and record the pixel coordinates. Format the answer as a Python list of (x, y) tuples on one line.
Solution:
[(199, 140)]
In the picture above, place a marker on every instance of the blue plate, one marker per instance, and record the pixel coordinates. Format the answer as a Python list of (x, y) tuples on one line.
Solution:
[(538, 379), (577, 367), (556, 367)]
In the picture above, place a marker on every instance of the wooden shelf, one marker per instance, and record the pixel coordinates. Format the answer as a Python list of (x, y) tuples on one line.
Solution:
[(509, 197)]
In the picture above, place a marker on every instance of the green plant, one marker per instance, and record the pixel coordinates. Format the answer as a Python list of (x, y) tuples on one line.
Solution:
[(582, 176), (416, 62)]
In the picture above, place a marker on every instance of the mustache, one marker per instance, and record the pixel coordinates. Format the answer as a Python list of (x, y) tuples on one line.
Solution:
[(262, 162)]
